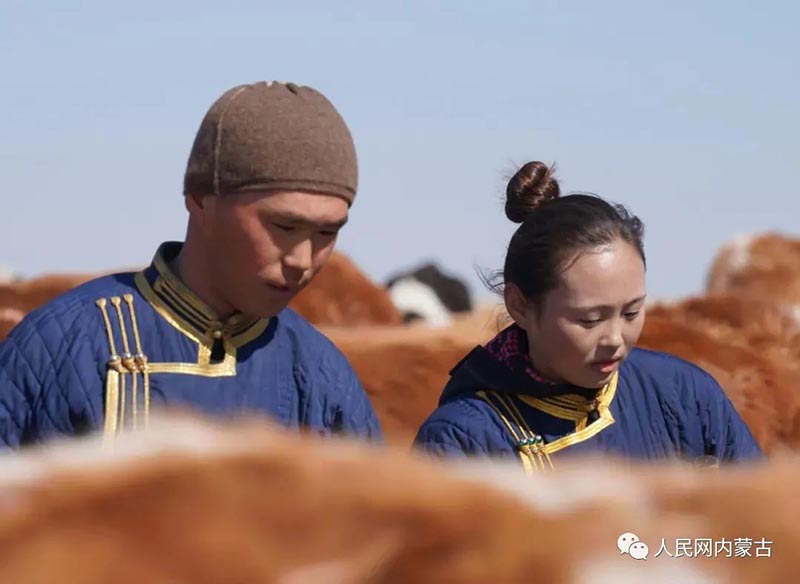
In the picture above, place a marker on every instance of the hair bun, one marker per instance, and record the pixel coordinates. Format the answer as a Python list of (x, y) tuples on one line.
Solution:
[(532, 185)]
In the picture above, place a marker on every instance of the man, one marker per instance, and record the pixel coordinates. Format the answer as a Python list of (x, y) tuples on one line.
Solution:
[(269, 184)]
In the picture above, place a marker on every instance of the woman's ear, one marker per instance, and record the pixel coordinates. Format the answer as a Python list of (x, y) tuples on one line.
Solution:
[(516, 304)]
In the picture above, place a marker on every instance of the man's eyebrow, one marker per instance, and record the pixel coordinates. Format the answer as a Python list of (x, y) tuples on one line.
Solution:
[(295, 219)]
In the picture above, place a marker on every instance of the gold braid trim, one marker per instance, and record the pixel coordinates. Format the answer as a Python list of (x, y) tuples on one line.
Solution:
[(126, 362), (112, 404), (112, 377), (528, 442), (538, 441), (525, 453), (129, 364), (140, 358)]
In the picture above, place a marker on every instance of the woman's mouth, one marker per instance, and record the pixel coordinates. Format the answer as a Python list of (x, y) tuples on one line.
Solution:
[(606, 367)]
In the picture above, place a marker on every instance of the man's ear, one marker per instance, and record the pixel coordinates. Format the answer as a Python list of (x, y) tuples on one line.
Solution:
[(195, 203)]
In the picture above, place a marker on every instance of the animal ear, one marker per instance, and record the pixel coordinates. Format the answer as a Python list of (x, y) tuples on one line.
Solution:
[(411, 316)]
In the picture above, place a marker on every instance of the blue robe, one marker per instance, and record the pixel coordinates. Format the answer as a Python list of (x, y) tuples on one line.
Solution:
[(656, 406), (105, 354)]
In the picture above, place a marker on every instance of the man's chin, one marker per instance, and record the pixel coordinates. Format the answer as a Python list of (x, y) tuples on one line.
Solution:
[(264, 311)]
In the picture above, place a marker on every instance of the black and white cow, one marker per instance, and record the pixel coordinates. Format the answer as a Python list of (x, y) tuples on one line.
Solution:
[(428, 294)]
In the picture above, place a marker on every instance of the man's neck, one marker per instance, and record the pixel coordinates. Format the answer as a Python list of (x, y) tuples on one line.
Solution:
[(181, 267)]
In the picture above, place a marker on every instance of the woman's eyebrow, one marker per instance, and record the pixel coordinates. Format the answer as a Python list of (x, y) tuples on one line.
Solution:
[(610, 306)]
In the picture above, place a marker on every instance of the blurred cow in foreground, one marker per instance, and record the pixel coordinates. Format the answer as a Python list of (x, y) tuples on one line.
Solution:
[(192, 501)]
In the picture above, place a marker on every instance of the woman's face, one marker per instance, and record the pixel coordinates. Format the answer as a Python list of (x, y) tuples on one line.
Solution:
[(583, 329)]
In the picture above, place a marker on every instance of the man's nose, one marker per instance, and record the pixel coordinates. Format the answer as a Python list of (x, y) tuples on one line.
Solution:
[(298, 258)]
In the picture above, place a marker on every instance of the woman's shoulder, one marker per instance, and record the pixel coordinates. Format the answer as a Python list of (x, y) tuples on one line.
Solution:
[(667, 373), (659, 362), (464, 411), (466, 420)]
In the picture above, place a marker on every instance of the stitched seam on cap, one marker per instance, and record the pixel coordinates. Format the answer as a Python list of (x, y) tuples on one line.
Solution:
[(218, 137)]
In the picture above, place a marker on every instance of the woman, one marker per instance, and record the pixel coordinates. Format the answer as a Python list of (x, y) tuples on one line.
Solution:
[(565, 378)]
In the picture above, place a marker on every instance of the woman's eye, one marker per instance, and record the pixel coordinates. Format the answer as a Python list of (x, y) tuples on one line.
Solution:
[(631, 315)]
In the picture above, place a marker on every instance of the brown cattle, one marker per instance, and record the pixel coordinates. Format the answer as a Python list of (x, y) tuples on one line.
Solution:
[(765, 267), (404, 369), (201, 503), (750, 348), (30, 293), (9, 318), (761, 388), (342, 295), (759, 325)]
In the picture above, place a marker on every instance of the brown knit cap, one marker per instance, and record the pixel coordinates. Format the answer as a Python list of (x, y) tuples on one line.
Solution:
[(272, 136)]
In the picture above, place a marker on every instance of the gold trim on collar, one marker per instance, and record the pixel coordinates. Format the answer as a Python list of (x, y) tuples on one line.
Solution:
[(165, 273), (118, 416), (188, 309), (583, 431), (572, 406), (246, 331), (205, 342), (175, 320), (530, 445)]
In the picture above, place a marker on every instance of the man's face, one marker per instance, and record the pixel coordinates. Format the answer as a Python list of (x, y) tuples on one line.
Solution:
[(264, 247)]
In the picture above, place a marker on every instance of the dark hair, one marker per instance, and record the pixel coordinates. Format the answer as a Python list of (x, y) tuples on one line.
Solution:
[(555, 230)]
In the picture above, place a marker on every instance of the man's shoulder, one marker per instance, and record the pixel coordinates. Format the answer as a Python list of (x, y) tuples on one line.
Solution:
[(60, 314), (305, 334), (312, 349)]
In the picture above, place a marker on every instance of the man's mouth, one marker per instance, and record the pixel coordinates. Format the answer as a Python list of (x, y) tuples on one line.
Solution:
[(282, 288)]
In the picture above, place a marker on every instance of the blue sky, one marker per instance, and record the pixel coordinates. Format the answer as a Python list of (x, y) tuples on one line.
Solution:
[(687, 112)]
